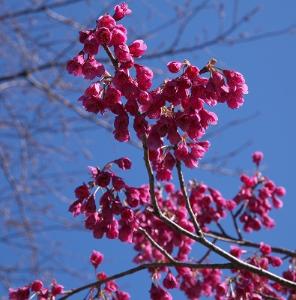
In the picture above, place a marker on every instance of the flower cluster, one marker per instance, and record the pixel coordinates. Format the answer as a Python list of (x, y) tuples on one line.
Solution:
[(173, 116), (289, 274), (170, 121), (112, 216), (193, 284), (256, 197), (110, 288), (208, 204), (36, 288), (136, 218), (170, 240), (246, 285)]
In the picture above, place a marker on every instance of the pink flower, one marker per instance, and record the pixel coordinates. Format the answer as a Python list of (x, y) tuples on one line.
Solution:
[(276, 202), (83, 35), (144, 77), (122, 53), (237, 88), (280, 191), (181, 151), (92, 104), (92, 68), (56, 288), (170, 282), (94, 90), (121, 295), (257, 157), (141, 126), (169, 187), (112, 230), (22, 293), (221, 289), (120, 11), (36, 285), (103, 35), (192, 72), (106, 21), (126, 233), (137, 48), (174, 66), (74, 66), (103, 179), (121, 132), (111, 286), (154, 140), (91, 221), (236, 251), (112, 96), (275, 261), (91, 45), (82, 192), (265, 249), (132, 196), (207, 118), (158, 293), (96, 258), (118, 37), (76, 208), (164, 175), (124, 163), (118, 183)]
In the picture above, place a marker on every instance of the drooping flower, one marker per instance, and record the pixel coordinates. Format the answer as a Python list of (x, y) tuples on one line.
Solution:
[(96, 258)]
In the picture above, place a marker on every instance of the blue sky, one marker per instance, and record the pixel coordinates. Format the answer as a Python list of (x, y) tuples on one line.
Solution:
[(268, 66)]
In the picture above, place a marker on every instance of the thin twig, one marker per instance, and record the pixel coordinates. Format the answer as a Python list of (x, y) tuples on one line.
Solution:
[(221, 229), (206, 255), (187, 200), (112, 58), (156, 245), (237, 229), (37, 9), (247, 243)]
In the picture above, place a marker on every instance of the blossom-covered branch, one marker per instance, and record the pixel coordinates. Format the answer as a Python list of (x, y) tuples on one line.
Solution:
[(159, 220)]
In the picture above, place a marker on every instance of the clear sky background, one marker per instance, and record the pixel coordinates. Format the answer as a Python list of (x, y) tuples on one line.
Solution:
[(269, 68)]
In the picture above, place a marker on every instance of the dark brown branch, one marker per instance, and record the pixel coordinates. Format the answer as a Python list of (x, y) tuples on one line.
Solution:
[(237, 229), (151, 178), (247, 243), (221, 229), (187, 200), (237, 263), (144, 267), (112, 58)]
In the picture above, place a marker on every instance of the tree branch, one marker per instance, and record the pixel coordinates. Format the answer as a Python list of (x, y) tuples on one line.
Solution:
[(144, 267), (157, 246), (187, 201), (237, 263), (247, 243), (37, 9)]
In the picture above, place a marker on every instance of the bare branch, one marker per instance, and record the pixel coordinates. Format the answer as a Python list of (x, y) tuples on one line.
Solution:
[(38, 9)]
